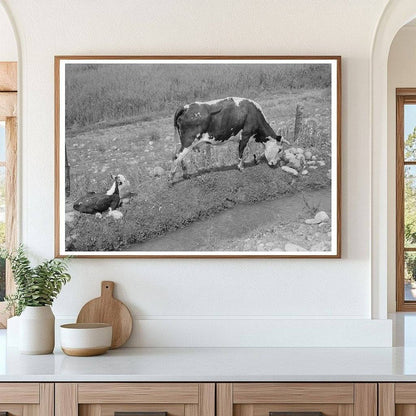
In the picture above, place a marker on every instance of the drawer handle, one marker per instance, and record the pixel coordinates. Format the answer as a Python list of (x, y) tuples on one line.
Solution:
[(296, 414), (138, 414)]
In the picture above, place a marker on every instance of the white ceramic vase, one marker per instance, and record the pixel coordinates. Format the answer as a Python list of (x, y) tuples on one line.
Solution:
[(37, 330), (13, 331)]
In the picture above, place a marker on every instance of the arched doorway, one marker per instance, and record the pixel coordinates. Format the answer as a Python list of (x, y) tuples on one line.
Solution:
[(396, 14)]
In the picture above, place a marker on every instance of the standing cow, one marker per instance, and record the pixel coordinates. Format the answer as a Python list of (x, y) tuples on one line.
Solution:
[(215, 122)]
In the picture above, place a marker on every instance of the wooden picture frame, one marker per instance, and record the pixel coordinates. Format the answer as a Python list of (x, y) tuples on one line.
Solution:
[(116, 114)]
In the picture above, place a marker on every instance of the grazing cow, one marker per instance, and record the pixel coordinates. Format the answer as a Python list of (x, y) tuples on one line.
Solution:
[(97, 203), (215, 122)]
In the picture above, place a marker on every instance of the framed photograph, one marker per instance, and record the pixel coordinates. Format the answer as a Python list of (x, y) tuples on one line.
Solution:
[(198, 156)]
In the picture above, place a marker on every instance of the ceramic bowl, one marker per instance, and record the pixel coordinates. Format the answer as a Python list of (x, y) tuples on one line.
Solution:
[(83, 340)]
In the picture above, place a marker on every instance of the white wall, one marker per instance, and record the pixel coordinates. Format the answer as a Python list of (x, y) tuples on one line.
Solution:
[(401, 74), (181, 301), (8, 47)]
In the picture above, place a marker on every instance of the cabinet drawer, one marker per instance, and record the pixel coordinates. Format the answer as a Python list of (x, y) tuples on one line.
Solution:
[(107, 399), (294, 392), (138, 393), (19, 393), (397, 399), (297, 399), (21, 399)]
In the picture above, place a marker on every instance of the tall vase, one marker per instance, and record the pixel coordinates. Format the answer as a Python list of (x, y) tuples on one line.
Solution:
[(37, 330)]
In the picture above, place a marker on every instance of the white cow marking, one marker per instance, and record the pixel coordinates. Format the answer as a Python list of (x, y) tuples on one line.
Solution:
[(180, 156), (237, 101), (212, 101), (206, 138), (112, 189), (271, 151)]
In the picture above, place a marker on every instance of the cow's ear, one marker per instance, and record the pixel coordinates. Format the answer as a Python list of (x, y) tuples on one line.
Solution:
[(215, 109)]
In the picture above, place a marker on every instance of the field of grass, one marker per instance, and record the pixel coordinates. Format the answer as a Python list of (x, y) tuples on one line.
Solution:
[(136, 142), (112, 94)]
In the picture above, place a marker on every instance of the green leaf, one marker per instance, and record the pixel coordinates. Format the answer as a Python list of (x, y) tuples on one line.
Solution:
[(35, 286)]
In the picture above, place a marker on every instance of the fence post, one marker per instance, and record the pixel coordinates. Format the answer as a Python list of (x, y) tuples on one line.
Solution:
[(298, 121), (67, 175)]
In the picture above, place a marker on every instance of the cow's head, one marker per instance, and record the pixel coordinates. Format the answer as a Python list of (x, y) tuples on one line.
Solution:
[(120, 179), (273, 150), (122, 183)]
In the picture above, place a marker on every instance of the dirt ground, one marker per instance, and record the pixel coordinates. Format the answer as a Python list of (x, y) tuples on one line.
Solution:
[(276, 225)]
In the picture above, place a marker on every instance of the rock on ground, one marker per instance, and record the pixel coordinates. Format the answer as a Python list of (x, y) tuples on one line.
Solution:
[(294, 247), (70, 216), (320, 217), (158, 171), (290, 170), (322, 246)]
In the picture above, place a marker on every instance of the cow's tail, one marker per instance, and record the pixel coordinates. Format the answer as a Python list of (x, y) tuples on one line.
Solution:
[(176, 134)]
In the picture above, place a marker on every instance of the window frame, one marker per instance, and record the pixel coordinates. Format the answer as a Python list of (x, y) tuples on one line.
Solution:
[(403, 96), (8, 113)]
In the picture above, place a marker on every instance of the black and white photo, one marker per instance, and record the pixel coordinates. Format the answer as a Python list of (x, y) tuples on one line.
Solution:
[(198, 157)]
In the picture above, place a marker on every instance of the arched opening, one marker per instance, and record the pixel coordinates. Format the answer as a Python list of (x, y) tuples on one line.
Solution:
[(401, 122), (8, 44), (383, 213), (8, 148)]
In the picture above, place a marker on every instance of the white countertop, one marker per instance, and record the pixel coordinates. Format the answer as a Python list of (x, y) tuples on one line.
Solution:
[(213, 364)]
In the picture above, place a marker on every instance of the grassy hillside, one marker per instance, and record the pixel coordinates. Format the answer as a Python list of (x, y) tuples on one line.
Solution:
[(106, 94)]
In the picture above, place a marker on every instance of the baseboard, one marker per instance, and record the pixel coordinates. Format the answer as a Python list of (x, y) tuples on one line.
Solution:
[(148, 332)]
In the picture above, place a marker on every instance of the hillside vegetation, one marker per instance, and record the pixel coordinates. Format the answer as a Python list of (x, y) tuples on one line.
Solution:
[(115, 93)]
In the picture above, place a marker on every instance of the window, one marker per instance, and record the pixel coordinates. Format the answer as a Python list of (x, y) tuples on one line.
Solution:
[(406, 199), (2, 207), (8, 171)]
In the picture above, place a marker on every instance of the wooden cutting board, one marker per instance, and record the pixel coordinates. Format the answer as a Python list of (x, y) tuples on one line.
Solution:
[(107, 309)]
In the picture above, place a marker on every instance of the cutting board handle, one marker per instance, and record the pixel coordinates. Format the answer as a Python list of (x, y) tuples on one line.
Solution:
[(107, 289)]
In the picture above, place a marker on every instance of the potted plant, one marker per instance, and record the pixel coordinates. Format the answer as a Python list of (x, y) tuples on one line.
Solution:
[(36, 289)]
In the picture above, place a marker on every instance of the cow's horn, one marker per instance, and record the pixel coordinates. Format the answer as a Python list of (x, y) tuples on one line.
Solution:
[(285, 141)]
